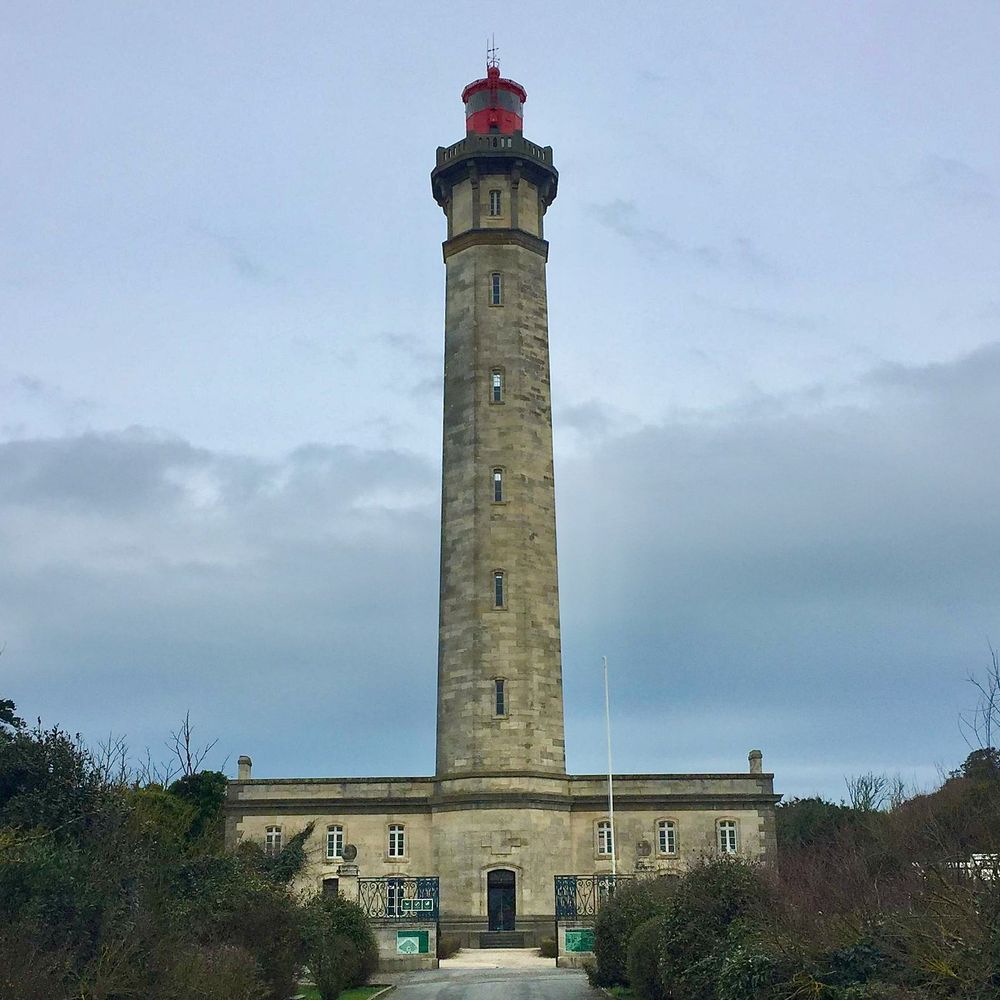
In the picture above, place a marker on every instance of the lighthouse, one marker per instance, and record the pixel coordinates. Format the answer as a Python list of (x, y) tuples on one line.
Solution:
[(499, 705), (500, 844)]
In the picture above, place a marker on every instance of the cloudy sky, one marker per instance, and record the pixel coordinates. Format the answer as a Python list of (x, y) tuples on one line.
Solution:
[(775, 330)]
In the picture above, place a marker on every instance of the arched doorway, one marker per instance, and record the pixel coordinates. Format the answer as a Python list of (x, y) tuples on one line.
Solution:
[(501, 899)]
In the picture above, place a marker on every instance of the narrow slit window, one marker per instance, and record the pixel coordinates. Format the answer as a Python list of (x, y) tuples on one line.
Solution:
[(496, 203), (500, 693), (496, 386), (499, 589), (496, 289), (498, 485)]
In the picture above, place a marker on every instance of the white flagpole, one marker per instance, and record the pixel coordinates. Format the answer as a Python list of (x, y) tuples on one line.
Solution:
[(611, 794)]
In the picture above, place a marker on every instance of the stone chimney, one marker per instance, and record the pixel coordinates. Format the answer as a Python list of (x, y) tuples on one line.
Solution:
[(246, 765), (755, 757)]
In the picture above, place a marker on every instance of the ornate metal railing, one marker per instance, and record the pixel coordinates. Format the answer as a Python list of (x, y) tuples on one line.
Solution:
[(584, 895), (415, 897)]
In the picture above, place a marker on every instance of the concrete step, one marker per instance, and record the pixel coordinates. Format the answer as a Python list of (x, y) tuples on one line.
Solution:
[(502, 939)]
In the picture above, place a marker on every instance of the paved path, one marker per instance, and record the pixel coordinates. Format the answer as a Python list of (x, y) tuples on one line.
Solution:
[(494, 974)]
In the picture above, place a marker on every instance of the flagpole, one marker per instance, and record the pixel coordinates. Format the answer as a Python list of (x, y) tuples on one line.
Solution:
[(611, 794)]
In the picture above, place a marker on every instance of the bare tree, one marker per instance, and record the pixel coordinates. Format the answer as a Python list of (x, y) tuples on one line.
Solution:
[(979, 725), (868, 792), (111, 761), (181, 743), (149, 772)]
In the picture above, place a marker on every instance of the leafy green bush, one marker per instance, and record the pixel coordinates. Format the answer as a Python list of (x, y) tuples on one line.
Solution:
[(632, 904), (643, 955), (694, 935), (547, 948), (225, 972), (339, 945)]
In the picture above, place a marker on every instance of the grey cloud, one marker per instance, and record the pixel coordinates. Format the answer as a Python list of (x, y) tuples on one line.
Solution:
[(826, 572), (952, 180), (623, 217), (240, 259), (764, 577)]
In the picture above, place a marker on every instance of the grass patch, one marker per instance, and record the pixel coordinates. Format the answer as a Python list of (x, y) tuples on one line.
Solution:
[(358, 993), (623, 992)]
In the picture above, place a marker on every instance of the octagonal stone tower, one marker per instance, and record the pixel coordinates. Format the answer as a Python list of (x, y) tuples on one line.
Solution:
[(500, 706)]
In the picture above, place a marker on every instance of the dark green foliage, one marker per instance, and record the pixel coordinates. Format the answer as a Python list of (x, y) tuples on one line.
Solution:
[(221, 972), (339, 946), (205, 792), (633, 903), (714, 898), (48, 780), (643, 954), (107, 892), (7, 716), (801, 822)]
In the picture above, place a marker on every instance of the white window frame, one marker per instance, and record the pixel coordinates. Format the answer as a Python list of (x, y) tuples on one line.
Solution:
[(335, 834), (605, 838), (272, 841), (395, 892), (498, 490), (666, 837), (496, 203), (396, 841), (497, 385), (728, 836)]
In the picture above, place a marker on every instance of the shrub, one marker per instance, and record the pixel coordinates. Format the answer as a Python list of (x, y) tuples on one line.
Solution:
[(631, 905), (695, 930), (339, 946), (641, 964), (547, 948), (448, 945), (225, 972)]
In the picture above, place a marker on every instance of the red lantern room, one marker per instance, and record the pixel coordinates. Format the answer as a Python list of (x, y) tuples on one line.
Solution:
[(493, 104)]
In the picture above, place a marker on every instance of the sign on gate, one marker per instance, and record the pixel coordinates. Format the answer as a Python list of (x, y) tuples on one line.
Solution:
[(416, 906)]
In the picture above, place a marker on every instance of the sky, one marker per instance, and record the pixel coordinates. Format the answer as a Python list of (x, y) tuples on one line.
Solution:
[(775, 340)]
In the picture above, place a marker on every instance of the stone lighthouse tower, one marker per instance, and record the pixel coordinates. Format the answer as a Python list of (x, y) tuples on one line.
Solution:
[(500, 707), (500, 841)]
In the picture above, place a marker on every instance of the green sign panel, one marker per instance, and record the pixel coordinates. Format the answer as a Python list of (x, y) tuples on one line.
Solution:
[(416, 906), (580, 939), (414, 942)]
